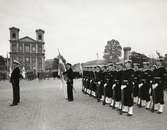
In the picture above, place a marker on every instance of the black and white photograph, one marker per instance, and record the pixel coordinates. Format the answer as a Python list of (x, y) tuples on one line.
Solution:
[(83, 64)]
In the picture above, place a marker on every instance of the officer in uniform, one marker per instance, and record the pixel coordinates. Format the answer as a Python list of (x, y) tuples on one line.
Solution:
[(68, 75), (159, 77), (99, 82), (109, 83), (146, 84), (127, 89), (14, 80), (116, 87), (136, 81), (93, 82)]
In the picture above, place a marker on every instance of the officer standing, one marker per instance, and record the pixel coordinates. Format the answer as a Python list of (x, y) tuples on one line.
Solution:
[(14, 80), (158, 86), (69, 80)]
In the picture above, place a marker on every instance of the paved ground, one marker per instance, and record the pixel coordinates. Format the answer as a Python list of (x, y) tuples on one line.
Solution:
[(43, 107)]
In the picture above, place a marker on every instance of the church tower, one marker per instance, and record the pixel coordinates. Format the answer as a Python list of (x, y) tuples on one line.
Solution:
[(14, 33), (40, 35)]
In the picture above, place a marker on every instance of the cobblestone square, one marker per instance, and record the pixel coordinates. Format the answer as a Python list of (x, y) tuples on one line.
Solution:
[(43, 107)]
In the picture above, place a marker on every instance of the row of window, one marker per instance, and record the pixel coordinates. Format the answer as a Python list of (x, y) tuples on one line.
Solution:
[(27, 61), (26, 48)]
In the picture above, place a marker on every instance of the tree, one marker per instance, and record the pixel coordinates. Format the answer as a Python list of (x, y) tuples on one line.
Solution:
[(2, 63), (55, 63), (112, 51)]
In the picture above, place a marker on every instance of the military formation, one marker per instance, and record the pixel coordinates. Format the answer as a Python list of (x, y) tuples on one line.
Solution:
[(123, 85)]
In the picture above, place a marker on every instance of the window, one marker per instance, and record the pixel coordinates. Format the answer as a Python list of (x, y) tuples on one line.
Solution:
[(39, 63), (27, 48), (20, 47), (14, 47), (21, 59), (33, 62), (33, 48), (39, 37), (39, 48), (13, 35), (27, 59)]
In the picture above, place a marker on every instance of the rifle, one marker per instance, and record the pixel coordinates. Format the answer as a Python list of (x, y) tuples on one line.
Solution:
[(122, 101), (139, 97), (104, 91), (113, 91), (153, 98)]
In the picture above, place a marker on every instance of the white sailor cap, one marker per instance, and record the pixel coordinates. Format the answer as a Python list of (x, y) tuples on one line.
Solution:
[(137, 64), (146, 63), (16, 62), (128, 61)]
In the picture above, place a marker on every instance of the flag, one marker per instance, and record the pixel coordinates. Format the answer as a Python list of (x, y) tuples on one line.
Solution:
[(10, 71), (23, 72), (61, 66), (158, 54), (80, 68), (61, 70)]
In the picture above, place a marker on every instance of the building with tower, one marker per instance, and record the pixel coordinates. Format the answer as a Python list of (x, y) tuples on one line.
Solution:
[(126, 53), (28, 51)]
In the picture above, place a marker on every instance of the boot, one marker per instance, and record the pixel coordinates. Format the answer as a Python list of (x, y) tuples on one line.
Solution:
[(116, 104), (156, 107), (125, 109), (148, 105), (143, 103), (161, 106), (112, 103), (130, 112), (102, 98), (135, 100)]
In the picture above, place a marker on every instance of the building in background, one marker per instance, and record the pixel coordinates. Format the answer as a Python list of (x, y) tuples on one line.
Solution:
[(28, 51)]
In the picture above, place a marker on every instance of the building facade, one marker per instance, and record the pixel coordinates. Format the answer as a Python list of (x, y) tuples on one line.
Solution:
[(29, 52)]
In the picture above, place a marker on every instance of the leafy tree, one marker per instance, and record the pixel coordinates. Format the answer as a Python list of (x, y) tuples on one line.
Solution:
[(55, 63), (112, 51), (2, 63)]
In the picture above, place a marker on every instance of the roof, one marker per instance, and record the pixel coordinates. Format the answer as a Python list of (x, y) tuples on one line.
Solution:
[(40, 30), (14, 28), (27, 39)]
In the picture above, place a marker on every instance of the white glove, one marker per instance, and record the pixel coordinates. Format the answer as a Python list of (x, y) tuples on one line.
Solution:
[(99, 82), (123, 86), (141, 84), (105, 84), (113, 86), (150, 91), (154, 86), (133, 83)]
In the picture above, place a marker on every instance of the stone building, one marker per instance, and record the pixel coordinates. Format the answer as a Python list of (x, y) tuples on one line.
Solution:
[(28, 51)]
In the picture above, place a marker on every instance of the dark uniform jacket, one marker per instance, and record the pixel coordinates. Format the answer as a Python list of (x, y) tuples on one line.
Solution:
[(15, 76)]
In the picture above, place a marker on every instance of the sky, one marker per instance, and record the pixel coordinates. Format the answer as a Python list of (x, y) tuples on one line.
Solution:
[(81, 28)]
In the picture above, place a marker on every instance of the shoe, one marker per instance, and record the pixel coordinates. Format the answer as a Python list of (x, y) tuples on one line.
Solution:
[(129, 114), (147, 108), (159, 112), (14, 104)]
